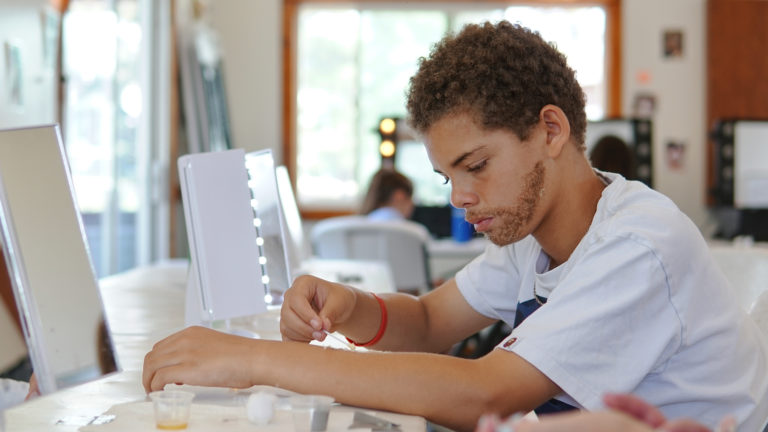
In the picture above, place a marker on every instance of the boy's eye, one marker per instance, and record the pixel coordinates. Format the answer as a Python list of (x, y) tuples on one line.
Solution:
[(478, 166), (446, 180)]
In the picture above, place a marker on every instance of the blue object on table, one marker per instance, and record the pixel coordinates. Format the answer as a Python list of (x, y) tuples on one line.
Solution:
[(461, 230)]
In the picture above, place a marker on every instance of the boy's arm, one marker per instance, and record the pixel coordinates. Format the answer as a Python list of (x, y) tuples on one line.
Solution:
[(446, 390), (432, 322)]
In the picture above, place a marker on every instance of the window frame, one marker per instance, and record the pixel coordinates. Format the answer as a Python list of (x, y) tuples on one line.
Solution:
[(613, 71)]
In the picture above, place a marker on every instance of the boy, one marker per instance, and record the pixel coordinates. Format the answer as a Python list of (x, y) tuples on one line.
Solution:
[(608, 286)]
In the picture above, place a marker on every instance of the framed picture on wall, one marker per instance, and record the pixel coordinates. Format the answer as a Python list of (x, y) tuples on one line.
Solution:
[(644, 105), (672, 43)]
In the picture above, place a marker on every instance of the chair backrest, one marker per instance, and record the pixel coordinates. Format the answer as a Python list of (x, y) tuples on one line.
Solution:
[(759, 313), (746, 268), (401, 244)]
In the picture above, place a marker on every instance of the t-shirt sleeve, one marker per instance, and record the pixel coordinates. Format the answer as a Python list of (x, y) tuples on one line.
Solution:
[(607, 325), (490, 283)]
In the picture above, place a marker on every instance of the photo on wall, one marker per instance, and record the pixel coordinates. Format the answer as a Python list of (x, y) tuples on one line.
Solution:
[(673, 44), (644, 105), (675, 154)]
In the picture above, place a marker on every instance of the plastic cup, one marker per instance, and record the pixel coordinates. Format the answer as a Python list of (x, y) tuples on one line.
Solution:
[(310, 412), (461, 230), (171, 408)]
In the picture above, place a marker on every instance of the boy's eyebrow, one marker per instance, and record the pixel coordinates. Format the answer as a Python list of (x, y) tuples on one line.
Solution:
[(463, 156)]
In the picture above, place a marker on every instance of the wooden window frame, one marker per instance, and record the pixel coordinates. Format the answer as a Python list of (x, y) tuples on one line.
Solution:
[(290, 28)]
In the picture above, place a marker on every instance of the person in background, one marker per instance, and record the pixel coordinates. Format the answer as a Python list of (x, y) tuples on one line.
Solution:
[(607, 285), (389, 197)]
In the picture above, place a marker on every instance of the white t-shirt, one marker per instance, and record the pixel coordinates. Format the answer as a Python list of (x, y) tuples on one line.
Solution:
[(386, 214), (640, 307)]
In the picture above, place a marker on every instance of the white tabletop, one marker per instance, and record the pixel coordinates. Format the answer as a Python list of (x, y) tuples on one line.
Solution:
[(449, 248), (143, 306)]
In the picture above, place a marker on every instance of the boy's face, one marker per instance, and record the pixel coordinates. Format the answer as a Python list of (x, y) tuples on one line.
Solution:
[(498, 179)]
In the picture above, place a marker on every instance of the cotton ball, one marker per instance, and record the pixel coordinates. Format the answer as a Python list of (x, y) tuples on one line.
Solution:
[(260, 407)]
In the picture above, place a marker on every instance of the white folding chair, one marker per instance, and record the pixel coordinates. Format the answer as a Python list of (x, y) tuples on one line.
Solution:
[(401, 244), (759, 313), (746, 268)]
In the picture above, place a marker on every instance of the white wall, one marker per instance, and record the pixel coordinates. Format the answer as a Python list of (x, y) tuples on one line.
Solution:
[(250, 33), (679, 86), (21, 26)]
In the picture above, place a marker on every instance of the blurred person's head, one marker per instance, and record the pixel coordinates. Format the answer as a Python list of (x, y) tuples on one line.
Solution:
[(612, 154), (389, 188)]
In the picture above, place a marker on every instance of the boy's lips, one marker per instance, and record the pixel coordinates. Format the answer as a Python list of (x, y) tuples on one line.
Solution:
[(481, 224)]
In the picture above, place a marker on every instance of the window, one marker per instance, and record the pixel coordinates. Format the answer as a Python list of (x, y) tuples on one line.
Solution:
[(106, 127), (352, 65)]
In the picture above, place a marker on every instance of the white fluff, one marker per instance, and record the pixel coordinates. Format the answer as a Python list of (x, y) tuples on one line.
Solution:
[(260, 407)]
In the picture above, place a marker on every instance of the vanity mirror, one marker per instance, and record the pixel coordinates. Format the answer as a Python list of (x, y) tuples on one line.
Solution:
[(46, 253)]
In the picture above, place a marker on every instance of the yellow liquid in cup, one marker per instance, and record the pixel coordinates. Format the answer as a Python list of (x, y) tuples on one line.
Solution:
[(172, 426)]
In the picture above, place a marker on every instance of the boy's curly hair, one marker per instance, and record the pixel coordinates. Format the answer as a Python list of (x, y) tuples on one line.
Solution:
[(502, 74)]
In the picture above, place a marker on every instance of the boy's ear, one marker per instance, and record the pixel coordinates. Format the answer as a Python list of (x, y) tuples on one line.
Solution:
[(558, 129)]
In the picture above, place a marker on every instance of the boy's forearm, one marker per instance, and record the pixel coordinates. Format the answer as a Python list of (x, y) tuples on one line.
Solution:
[(408, 383), (446, 390), (405, 323)]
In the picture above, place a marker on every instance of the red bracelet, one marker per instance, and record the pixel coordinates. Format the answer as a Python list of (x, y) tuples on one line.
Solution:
[(382, 326)]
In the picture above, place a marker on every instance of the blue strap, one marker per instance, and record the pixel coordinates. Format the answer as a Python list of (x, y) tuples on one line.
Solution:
[(524, 310), (554, 406)]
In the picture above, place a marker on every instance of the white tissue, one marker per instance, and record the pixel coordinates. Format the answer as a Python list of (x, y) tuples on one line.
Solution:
[(260, 407)]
